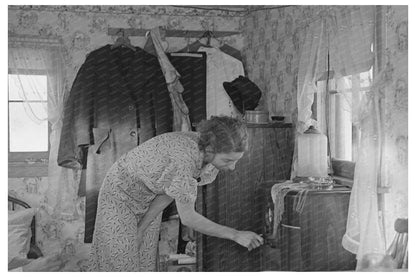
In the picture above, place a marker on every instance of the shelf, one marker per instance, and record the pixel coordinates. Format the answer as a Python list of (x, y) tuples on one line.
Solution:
[(269, 125)]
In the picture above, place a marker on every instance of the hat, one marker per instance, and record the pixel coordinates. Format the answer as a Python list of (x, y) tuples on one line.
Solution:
[(244, 93)]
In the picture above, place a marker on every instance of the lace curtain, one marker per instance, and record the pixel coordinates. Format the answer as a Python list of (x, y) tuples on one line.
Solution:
[(365, 232), (351, 53), (312, 62), (342, 37), (33, 54)]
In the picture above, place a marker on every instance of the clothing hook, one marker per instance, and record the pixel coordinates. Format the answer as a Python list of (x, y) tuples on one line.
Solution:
[(120, 32)]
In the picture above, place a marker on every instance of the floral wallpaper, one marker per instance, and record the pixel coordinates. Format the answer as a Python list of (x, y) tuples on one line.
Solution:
[(83, 29), (271, 49), (395, 104)]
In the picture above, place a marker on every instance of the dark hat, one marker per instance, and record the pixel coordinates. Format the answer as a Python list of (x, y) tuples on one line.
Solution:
[(244, 93)]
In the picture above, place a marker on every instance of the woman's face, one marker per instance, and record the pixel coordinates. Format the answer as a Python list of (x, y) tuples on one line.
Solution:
[(226, 161)]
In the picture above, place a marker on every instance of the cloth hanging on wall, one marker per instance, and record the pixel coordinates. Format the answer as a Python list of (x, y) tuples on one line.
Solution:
[(220, 68), (180, 110), (110, 110)]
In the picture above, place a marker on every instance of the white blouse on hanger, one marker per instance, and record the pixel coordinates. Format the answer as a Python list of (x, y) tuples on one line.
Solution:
[(221, 67)]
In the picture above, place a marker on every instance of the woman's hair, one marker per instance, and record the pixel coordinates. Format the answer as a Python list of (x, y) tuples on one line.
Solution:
[(224, 134)]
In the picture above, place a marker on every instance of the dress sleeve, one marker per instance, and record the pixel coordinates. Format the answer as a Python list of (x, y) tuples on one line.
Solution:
[(208, 175), (177, 179)]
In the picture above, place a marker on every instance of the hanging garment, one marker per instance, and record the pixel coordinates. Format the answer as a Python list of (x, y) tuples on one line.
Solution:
[(180, 110), (193, 69), (235, 53), (220, 68), (110, 110), (278, 193)]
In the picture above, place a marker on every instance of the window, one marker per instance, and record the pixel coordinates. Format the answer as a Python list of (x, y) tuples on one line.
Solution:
[(343, 101), (36, 92), (344, 105), (338, 111), (28, 124)]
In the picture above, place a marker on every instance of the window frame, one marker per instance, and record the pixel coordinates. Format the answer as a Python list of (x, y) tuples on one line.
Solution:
[(27, 164)]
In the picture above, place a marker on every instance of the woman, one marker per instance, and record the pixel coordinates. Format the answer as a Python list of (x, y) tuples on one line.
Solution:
[(145, 180)]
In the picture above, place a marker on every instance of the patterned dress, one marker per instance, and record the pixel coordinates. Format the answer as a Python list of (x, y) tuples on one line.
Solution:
[(166, 164)]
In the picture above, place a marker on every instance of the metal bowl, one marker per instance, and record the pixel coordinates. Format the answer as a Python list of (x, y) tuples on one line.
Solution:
[(260, 117)]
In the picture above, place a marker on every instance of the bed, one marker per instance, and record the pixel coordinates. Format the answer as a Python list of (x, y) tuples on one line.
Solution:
[(17, 207)]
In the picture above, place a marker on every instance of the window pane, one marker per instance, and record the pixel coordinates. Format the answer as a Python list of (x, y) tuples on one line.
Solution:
[(27, 134), (365, 79), (33, 86)]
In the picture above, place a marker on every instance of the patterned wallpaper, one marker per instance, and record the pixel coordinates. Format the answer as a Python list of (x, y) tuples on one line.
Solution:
[(83, 29), (395, 98), (271, 47)]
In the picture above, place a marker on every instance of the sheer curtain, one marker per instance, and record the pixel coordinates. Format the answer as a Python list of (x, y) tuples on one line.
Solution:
[(365, 232), (34, 54), (352, 33), (312, 62), (343, 38)]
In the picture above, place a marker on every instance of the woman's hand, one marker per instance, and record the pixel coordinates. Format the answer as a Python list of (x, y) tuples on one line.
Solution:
[(202, 224), (248, 239)]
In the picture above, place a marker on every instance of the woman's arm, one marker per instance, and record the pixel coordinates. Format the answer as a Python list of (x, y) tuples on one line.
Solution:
[(156, 207), (192, 219)]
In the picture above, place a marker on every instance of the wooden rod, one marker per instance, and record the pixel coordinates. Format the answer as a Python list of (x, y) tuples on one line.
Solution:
[(132, 32)]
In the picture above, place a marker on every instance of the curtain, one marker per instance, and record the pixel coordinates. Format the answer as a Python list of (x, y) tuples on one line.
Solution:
[(34, 54), (365, 233), (352, 32), (312, 62), (343, 39)]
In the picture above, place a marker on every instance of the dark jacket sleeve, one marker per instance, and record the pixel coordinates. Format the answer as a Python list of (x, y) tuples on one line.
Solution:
[(78, 117)]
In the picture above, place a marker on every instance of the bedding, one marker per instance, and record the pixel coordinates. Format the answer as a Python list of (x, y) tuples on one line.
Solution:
[(19, 233)]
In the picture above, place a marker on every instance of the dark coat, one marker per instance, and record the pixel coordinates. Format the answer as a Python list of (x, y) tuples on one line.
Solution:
[(119, 99)]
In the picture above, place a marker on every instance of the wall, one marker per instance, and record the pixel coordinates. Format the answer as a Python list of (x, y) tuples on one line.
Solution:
[(271, 47), (395, 98), (83, 29), (273, 39)]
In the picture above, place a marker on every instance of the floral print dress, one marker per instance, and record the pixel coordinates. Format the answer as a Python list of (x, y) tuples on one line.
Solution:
[(168, 164)]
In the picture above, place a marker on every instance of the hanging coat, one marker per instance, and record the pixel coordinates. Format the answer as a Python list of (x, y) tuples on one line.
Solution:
[(119, 99)]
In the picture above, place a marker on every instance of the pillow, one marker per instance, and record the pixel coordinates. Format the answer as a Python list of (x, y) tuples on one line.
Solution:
[(20, 232)]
